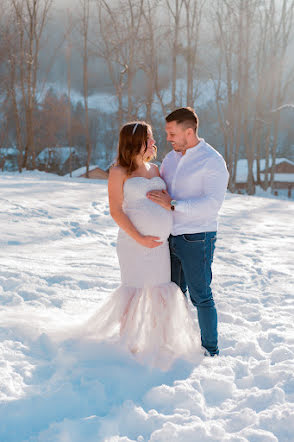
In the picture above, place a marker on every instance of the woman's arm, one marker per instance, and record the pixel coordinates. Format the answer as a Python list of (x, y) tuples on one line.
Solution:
[(116, 180)]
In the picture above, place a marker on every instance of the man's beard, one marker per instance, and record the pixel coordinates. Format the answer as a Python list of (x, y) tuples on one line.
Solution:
[(180, 147)]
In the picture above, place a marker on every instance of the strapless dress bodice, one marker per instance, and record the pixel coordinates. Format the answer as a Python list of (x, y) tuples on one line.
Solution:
[(148, 217), (135, 189)]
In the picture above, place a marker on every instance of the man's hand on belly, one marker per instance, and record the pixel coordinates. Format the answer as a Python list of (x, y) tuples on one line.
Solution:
[(160, 197)]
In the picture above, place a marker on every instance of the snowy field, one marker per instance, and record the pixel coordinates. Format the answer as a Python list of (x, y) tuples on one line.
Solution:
[(58, 261)]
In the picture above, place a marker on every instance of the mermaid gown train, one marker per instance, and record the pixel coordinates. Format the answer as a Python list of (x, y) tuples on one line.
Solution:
[(148, 314)]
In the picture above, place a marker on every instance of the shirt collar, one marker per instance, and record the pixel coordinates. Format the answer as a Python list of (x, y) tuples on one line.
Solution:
[(179, 155), (195, 148)]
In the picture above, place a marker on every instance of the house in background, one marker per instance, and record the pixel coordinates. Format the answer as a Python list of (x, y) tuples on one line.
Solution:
[(8, 158), (283, 177), (58, 160), (95, 172), (284, 174)]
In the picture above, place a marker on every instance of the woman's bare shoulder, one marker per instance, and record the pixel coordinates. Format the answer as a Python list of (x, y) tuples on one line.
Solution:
[(117, 171)]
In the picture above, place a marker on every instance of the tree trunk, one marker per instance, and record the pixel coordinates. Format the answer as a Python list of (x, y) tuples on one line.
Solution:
[(68, 61), (85, 31), (176, 18), (15, 112)]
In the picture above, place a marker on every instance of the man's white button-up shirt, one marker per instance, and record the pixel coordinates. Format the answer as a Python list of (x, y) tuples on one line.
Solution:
[(198, 182)]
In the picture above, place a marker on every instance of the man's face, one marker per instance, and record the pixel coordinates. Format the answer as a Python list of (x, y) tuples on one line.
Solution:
[(176, 135)]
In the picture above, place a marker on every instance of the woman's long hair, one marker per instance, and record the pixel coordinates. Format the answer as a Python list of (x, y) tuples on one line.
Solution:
[(132, 137)]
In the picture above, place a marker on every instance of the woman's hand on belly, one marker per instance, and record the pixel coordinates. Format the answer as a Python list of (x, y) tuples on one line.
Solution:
[(149, 241)]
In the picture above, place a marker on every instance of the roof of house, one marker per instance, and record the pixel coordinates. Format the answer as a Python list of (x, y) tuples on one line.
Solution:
[(82, 170), (242, 169), (97, 173), (9, 150), (61, 153), (281, 177), (285, 166)]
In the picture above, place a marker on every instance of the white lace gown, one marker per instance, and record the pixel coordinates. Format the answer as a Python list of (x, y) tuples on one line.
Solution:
[(148, 314)]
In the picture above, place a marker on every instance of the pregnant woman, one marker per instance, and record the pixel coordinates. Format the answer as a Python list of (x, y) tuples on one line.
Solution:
[(148, 314)]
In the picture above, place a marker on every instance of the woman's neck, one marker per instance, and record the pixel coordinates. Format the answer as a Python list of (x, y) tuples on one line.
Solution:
[(141, 164)]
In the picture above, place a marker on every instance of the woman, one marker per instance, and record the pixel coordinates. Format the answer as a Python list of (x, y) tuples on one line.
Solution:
[(148, 313)]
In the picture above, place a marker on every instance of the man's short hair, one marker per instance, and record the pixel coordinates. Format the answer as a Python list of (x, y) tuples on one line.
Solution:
[(185, 116)]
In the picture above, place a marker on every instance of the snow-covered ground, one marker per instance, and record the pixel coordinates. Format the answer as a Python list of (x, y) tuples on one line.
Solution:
[(58, 261)]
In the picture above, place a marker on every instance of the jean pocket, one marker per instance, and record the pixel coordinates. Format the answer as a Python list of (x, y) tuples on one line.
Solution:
[(194, 237)]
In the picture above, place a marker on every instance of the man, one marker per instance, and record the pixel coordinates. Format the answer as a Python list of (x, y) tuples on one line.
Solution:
[(197, 179)]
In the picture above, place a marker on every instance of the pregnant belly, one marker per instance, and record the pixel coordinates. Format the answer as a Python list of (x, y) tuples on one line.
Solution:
[(151, 219)]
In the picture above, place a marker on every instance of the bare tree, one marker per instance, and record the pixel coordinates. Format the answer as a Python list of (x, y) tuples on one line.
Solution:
[(12, 95), (8, 80), (84, 31), (250, 78), (175, 10), (225, 27), (193, 15), (30, 19), (119, 30), (281, 31), (107, 49), (68, 40), (153, 44)]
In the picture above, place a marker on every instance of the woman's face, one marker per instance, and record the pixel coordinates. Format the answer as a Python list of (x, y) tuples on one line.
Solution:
[(151, 149)]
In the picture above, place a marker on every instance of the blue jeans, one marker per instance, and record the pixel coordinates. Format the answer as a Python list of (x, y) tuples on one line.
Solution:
[(191, 259)]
